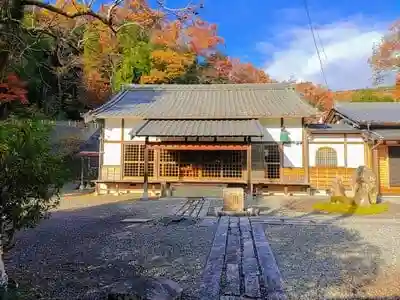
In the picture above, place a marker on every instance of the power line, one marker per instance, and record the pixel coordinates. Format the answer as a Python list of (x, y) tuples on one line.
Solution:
[(322, 45), (315, 42)]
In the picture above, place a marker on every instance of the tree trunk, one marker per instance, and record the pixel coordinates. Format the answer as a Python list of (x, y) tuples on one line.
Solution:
[(3, 274)]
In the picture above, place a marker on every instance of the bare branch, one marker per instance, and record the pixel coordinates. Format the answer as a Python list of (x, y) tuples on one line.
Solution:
[(85, 12), (189, 6)]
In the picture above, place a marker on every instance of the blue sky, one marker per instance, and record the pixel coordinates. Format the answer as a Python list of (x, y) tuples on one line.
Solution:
[(274, 35)]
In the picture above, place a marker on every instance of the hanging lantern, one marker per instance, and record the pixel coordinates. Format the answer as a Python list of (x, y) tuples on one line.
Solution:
[(284, 136)]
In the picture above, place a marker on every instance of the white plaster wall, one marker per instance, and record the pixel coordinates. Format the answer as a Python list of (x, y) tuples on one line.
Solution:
[(295, 129), (336, 138), (112, 129), (324, 139), (272, 129), (355, 139), (355, 155), (338, 147), (293, 156), (112, 154)]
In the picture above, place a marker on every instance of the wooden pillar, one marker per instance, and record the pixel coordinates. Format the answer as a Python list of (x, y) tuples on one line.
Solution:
[(366, 155), (156, 163), (101, 154), (249, 169), (375, 167), (306, 157), (146, 170), (122, 165), (345, 151)]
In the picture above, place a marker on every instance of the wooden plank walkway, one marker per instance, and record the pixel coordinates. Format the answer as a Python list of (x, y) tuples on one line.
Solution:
[(241, 264)]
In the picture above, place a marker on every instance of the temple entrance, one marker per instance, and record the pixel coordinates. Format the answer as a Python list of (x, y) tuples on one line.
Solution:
[(204, 173), (192, 164)]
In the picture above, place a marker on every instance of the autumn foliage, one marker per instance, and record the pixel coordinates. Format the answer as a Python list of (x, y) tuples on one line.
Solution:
[(317, 95), (90, 53), (386, 55), (13, 89)]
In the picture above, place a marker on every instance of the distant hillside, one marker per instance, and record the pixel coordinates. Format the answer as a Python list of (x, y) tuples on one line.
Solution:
[(381, 91)]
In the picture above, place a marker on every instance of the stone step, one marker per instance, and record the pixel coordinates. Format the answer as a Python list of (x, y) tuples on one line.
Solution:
[(241, 264)]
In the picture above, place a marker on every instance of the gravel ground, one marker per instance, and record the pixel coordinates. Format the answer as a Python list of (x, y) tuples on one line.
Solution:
[(349, 260), (79, 251)]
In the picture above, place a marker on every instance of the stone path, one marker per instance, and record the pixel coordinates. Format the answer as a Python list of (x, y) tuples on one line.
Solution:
[(241, 264), (196, 207)]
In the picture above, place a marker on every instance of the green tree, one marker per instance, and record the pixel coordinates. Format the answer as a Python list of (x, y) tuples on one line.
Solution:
[(31, 176), (370, 96), (135, 56)]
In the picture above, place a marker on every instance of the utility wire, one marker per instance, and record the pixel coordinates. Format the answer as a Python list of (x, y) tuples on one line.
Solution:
[(315, 42), (321, 45)]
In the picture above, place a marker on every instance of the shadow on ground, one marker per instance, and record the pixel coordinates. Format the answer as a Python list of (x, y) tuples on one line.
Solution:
[(323, 262), (75, 254)]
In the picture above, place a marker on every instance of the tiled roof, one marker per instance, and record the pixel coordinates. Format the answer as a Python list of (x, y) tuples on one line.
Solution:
[(92, 144), (204, 128), (211, 101), (370, 112), (332, 128), (388, 134)]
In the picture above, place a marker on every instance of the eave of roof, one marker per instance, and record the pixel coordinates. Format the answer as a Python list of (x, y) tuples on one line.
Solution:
[(199, 128), (370, 113), (331, 128), (215, 101)]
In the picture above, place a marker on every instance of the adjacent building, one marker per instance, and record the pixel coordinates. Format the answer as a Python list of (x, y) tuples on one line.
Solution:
[(378, 124)]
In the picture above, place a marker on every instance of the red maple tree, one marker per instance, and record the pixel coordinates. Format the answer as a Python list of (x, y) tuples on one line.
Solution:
[(13, 89)]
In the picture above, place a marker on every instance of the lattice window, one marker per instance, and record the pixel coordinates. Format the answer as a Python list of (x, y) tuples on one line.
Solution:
[(134, 161), (196, 164), (233, 162), (169, 163), (326, 157), (272, 161)]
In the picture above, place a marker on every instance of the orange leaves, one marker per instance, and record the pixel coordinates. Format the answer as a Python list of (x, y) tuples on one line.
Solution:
[(247, 73), (167, 64), (97, 88), (237, 72), (386, 56), (13, 89), (202, 37), (316, 95), (138, 12), (198, 37), (169, 35)]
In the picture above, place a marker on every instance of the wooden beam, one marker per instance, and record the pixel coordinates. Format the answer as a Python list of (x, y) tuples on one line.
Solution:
[(197, 146), (306, 157), (146, 170), (345, 150), (375, 168), (122, 149), (101, 156), (122, 129), (249, 169), (367, 161), (156, 163), (337, 143)]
